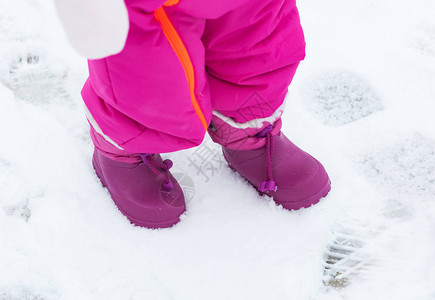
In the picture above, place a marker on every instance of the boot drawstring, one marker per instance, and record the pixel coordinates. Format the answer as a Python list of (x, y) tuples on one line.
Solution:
[(268, 184), (154, 165)]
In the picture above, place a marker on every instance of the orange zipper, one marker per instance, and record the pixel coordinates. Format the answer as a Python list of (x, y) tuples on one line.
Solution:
[(181, 52)]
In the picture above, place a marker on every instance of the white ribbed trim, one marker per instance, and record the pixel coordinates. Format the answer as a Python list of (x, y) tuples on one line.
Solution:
[(256, 123), (98, 129)]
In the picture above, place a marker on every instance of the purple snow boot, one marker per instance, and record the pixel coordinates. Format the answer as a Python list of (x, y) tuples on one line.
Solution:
[(281, 170), (146, 192)]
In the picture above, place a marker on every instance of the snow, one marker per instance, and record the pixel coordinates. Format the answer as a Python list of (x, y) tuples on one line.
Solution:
[(362, 102)]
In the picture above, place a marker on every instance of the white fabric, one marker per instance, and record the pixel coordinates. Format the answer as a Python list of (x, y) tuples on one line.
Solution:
[(98, 129), (95, 28), (256, 123)]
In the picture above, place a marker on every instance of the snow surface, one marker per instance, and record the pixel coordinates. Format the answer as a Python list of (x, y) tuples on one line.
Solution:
[(362, 102)]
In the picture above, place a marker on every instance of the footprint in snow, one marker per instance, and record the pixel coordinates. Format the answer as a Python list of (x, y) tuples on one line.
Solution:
[(29, 65), (363, 246), (14, 199), (25, 293), (402, 170), (423, 39), (33, 77), (339, 97), (346, 254)]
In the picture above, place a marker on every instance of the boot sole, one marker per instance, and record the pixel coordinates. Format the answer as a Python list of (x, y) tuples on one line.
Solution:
[(304, 203), (309, 201)]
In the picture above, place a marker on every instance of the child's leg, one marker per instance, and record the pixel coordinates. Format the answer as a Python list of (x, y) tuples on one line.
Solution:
[(252, 54), (140, 100), (150, 98)]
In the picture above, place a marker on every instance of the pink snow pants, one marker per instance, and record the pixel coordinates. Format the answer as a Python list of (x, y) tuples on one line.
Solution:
[(220, 65)]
